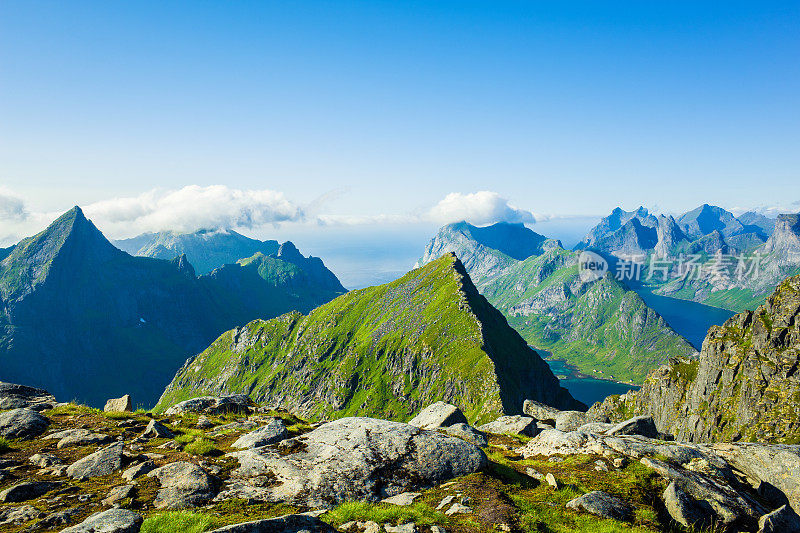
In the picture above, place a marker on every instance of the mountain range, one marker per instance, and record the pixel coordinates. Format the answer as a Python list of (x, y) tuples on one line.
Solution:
[(87, 320), (387, 350), (729, 262), (600, 326)]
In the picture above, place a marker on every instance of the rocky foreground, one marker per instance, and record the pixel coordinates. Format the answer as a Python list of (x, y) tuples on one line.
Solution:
[(226, 464)]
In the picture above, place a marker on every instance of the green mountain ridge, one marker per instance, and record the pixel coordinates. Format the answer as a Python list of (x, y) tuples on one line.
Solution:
[(387, 350), (601, 327)]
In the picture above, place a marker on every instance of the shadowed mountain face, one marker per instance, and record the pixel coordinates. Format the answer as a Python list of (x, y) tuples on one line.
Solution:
[(387, 350), (86, 320)]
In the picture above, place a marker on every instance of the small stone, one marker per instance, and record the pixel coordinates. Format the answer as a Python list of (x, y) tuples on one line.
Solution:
[(600, 466), (410, 527), (139, 470), (372, 527), (555, 459), (535, 474), (438, 529), (28, 490), (119, 405), (111, 521), (404, 499), (347, 526), (447, 500), (602, 504), (19, 515), (100, 463), (457, 508), (157, 430), (117, 494), (619, 462), (204, 423), (551, 480), (43, 460), (274, 431)]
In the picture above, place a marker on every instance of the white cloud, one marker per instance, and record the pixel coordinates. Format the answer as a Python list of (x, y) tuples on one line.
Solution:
[(12, 208), (192, 208), (480, 208), (770, 211)]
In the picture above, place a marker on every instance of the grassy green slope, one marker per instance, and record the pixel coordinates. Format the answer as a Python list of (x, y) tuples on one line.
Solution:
[(597, 327), (381, 351)]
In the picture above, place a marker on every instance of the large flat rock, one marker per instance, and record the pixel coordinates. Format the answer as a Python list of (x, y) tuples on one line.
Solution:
[(351, 459)]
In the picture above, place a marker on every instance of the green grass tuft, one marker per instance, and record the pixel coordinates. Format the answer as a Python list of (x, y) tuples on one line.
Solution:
[(419, 513), (201, 447), (173, 521), (5, 445)]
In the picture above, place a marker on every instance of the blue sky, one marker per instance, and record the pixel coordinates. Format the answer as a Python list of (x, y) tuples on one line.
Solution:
[(375, 111)]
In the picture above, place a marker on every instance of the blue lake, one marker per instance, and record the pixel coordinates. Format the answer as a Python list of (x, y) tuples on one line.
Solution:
[(586, 390), (690, 319)]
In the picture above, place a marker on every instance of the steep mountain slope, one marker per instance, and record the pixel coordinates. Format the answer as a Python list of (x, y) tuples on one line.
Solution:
[(388, 350), (744, 386), (613, 222), (598, 326), (485, 251), (707, 219), (86, 320), (206, 250)]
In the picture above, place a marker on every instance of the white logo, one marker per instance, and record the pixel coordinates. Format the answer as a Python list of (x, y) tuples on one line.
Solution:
[(591, 266)]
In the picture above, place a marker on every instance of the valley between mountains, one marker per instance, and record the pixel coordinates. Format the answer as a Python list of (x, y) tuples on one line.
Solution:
[(243, 389)]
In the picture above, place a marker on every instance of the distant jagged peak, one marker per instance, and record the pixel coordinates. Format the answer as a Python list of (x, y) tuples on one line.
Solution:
[(706, 218), (785, 238), (289, 252)]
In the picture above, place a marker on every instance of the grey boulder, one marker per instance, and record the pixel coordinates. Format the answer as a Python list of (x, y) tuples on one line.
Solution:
[(182, 485), (570, 420), (686, 510), (467, 433), (781, 520), (119, 405), (439, 414), (77, 437), (512, 424), (157, 430), (351, 459), (22, 423), (100, 463), (27, 490), (110, 521), (540, 411), (602, 504), (13, 396), (274, 431), (293, 523), (640, 425)]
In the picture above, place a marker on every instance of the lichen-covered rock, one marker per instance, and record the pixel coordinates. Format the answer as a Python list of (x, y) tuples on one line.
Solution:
[(274, 431), (100, 463), (183, 485), (349, 459), (28, 490), (119, 405), (77, 437), (640, 425), (743, 386), (22, 423), (781, 520), (603, 505), (512, 424), (684, 509), (570, 420), (468, 433), (438, 414), (13, 396), (540, 411), (110, 521), (157, 430)]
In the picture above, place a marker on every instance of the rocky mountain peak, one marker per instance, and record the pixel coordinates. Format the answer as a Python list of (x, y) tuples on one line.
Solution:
[(786, 237), (289, 252)]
